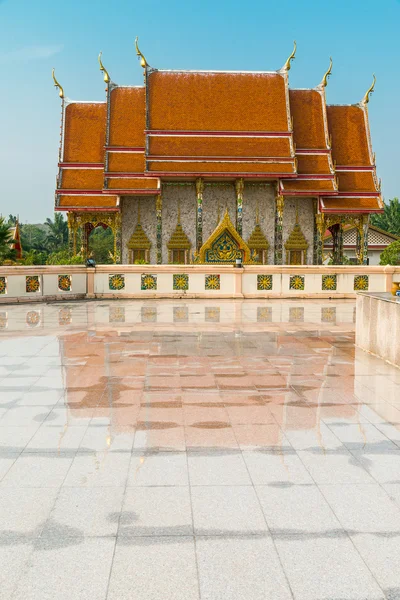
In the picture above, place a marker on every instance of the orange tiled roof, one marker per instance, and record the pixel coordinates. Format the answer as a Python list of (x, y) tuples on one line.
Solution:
[(356, 181), (210, 101), (82, 179), (127, 117), (308, 120), (170, 146), (101, 201), (133, 183), (349, 135), (84, 135), (219, 167), (351, 205), (313, 164), (126, 162), (305, 185)]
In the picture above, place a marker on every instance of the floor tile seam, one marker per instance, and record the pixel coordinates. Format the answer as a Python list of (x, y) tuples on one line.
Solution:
[(360, 424), (192, 519), (4, 474), (354, 546)]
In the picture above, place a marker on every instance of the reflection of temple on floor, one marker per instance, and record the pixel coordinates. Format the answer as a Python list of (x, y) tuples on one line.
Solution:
[(161, 163)]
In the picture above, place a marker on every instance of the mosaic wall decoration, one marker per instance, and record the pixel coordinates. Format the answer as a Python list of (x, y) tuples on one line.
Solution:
[(116, 282), (3, 320), (64, 316), (296, 314), (296, 282), (361, 282), (116, 314), (149, 282), (264, 282), (213, 282), (181, 314), (32, 284), (212, 315), (264, 314), (33, 318), (329, 282), (64, 283), (149, 314), (3, 285), (328, 314), (181, 282)]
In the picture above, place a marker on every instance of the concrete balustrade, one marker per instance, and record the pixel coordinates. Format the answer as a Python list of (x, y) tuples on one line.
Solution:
[(46, 283)]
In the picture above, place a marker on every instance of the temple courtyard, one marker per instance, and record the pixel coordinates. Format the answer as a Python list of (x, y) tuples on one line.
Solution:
[(207, 449)]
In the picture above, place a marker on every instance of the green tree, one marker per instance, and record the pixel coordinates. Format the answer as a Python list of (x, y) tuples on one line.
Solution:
[(33, 237), (391, 254), (389, 220), (62, 257), (12, 220), (6, 239), (57, 236), (101, 245)]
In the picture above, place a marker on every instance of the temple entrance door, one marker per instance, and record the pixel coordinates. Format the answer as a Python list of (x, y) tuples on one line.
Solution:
[(295, 257)]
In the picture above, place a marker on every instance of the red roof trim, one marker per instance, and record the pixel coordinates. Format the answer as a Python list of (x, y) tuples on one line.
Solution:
[(179, 133), (313, 151), (123, 149), (85, 209), (211, 159), (65, 165), (347, 168), (216, 174), (136, 192)]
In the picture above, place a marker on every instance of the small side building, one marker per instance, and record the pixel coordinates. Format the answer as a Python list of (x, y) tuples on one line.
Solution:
[(378, 240)]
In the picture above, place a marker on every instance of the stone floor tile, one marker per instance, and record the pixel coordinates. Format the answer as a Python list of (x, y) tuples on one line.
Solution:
[(210, 436), (334, 466), (14, 439), (22, 515), (365, 508), (159, 468), (382, 556), (226, 510), (102, 438), (85, 512), (14, 558), (360, 434), (154, 568), (217, 468), (56, 439), (6, 462), (160, 439), (296, 509), (67, 568), (382, 464), (260, 436), (328, 567), (156, 511), (30, 470), (98, 470), (240, 569), (320, 437), (276, 468)]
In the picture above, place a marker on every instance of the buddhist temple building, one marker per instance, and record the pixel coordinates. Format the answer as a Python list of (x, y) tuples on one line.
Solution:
[(203, 166)]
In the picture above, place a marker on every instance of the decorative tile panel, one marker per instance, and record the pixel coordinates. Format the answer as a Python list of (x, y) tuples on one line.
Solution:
[(328, 314), (264, 314), (33, 318), (149, 314), (329, 282), (116, 314), (3, 285), (213, 282), (296, 314), (361, 282), (181, 282), (212, 315), (64, 316), (64, 283), (116, 282), (181, 314), (264, 282), (32, 284), (296, 282), (149, 282)]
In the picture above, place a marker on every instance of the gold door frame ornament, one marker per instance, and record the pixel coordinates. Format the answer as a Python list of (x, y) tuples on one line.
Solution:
[(77, 220), (225, 226)]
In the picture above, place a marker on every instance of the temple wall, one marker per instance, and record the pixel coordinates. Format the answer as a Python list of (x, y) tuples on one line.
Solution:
[(129, 213), (216, 199), (172, 195), (306, 221), (264, 195)]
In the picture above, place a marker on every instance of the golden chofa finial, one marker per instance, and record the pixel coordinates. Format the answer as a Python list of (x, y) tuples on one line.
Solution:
[(324, 81), (370, 90), (57, 85), (104, 70), (143, 61), (291, 57)]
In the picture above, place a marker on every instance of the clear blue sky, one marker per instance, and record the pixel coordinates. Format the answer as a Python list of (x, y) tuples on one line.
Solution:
[(35, 35)]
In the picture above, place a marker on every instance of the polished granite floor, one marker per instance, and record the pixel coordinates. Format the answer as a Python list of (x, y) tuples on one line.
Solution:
[(182, 450)]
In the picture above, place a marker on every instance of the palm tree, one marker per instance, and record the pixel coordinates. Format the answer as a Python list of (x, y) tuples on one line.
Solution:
[(6, 239), (57, 236), (389, 220)]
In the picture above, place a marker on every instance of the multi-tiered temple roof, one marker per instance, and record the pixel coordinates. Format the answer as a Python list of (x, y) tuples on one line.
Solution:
[(219, 125)]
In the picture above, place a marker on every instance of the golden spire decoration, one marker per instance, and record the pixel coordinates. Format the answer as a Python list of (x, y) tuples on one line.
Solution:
[(138, 212), (291, 57), (257, 213), (143, 61), (57, 85), (370, 90), (324, 81), (104, 70)]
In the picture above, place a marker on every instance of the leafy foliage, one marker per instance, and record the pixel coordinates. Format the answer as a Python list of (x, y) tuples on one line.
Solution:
[(389, 220), (6, 253), (391, 254), (62, 257), (101, 245)]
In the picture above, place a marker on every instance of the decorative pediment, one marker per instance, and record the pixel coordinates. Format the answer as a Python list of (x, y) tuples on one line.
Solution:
[(224, 245), (257, 240), (296, 240), (139, 240), (179, 240)]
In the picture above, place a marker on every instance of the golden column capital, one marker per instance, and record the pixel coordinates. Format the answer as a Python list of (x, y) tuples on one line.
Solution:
[(199, 186)]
